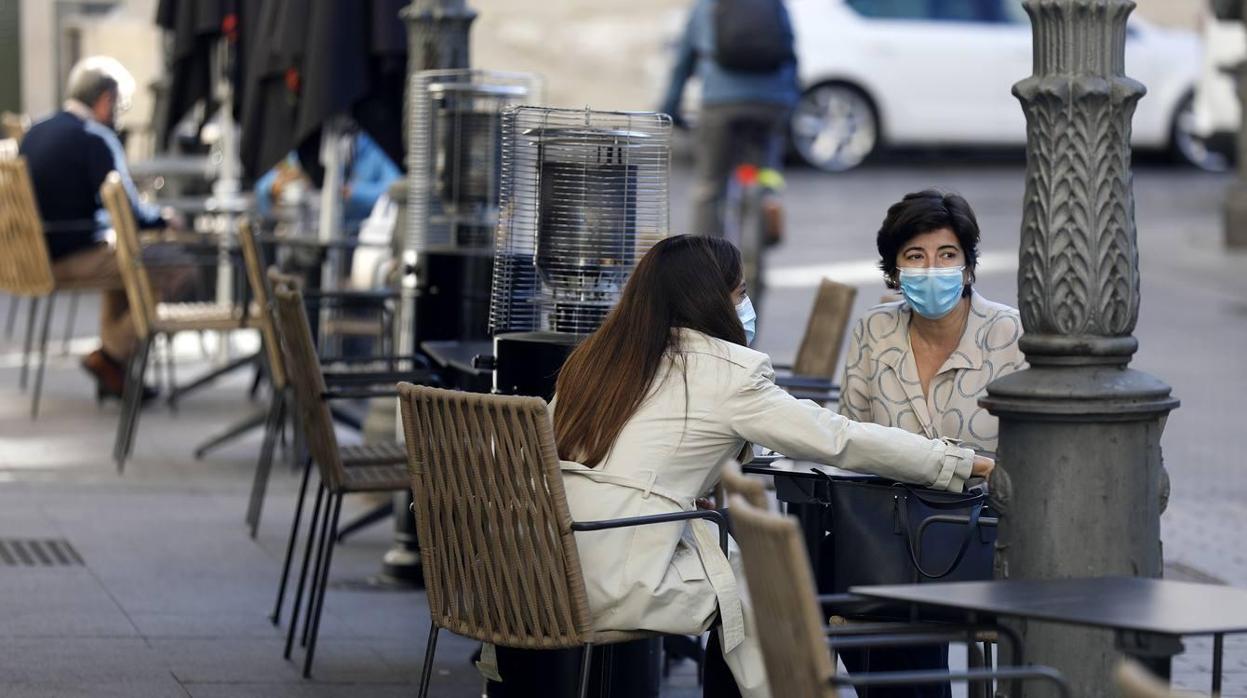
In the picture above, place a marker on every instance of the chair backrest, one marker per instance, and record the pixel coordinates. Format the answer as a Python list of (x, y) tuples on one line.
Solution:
[(1135, 681), (781, 586), (25, 268), (253, 260), (498, 553), (304, 375), (130, 255), (819, 353), (14, 125), (736, 483)]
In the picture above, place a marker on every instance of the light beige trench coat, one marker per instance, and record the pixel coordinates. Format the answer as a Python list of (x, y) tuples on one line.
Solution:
[(881, 383), (673, 578)]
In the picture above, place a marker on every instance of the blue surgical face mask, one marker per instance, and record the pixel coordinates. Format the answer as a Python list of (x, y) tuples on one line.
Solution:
[(932, 292), (748, 318)]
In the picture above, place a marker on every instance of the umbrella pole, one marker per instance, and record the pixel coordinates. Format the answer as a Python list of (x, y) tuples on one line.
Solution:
[(226, 188), (333, 145)]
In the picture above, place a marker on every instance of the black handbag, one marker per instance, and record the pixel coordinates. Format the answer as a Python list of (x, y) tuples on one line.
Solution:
[(876, 531)]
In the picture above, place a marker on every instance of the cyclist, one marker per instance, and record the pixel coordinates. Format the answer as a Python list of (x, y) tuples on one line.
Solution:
[(742, 51)]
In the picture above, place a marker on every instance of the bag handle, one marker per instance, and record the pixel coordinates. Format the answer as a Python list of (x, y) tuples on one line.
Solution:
[(976, 511)]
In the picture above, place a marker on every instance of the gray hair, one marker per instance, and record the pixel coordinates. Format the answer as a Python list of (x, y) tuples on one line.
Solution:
[(94, 77)]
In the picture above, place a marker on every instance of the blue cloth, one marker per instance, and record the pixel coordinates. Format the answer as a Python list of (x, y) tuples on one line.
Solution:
[(719, 85), (371, 173), (68, 158)]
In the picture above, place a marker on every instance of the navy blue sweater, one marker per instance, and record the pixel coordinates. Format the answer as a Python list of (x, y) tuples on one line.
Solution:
[(69, 158)]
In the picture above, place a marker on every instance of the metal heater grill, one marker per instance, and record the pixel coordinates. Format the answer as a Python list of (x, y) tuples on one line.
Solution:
[(584, 196), (455, 155)]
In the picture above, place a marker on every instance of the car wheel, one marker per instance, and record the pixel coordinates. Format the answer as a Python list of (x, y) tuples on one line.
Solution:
[(834, 127), (1189, 147)]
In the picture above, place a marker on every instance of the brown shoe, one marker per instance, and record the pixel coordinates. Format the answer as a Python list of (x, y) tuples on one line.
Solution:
[(110, 377)]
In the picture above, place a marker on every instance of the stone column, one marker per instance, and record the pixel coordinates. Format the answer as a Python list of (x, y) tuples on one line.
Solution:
[(1235, 207), (1079, 482)]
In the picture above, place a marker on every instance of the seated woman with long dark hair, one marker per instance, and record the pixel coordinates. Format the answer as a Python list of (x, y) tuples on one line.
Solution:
[(646, 411)]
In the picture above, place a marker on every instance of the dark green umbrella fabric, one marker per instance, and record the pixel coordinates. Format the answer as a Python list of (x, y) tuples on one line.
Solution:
[(355, 65), (272, 84), (194, 29)]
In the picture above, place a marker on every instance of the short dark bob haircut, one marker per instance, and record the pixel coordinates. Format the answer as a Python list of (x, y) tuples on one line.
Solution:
[(924, 212)]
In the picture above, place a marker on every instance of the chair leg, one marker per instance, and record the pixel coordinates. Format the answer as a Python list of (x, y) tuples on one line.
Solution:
[(170, 376), (70, 319), (29, 340), (256, 381), (178, 392), (586, 661), (264, 466), (43, 357), (307, 557), (234, 431), (131, 401), (15, 303), (322, 540), (368, 518), (430, 649), (275, 616), (329, 537)]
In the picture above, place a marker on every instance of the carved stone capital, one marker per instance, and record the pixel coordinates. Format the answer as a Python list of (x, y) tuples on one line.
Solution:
[(1078, 282)]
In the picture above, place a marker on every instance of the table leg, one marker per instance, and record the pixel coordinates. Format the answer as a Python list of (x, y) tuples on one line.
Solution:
[(1218, 646)]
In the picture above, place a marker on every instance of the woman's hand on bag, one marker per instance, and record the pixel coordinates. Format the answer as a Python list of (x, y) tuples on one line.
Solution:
[(982, 467)]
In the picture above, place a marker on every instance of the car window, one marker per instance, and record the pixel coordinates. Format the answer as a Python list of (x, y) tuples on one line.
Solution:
[(960, 10), (943, 10), (1013, 12), (893, 9)]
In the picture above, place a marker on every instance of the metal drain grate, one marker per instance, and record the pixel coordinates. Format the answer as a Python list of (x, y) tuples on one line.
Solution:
[(35, 552)]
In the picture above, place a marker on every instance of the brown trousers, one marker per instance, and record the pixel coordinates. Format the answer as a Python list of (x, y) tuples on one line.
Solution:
[(97, 266)]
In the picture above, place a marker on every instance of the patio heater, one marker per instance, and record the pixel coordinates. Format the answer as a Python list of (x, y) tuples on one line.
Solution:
[(454, 142), (584, 196)]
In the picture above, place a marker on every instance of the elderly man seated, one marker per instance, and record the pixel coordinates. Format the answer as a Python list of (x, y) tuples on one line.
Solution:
[(69, 155)]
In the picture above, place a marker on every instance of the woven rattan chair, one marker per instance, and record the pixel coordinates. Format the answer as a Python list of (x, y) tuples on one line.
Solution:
[(795, 643), (152, 317), (342, 470), (813, 373), (496, 537), (781, 588), (1135, 681), (735, 482), (25, 268), (15, 125)]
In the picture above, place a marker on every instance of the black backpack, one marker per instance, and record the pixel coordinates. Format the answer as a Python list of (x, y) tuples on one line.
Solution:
[(751, 36)]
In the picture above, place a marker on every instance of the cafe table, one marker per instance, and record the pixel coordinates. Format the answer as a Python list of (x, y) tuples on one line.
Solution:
[(1148, 617)]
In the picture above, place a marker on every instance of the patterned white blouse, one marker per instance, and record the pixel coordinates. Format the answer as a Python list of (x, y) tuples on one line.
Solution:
[(881, 383)]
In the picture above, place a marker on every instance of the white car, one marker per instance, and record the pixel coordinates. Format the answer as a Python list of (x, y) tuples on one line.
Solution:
[(1215, 116), (940, 72)]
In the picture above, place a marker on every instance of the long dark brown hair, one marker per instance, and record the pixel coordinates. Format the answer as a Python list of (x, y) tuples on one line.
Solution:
[(683, 281)]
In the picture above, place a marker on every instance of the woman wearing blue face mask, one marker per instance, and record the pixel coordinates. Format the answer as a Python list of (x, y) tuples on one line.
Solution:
[(922, 363), (646, 411)]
